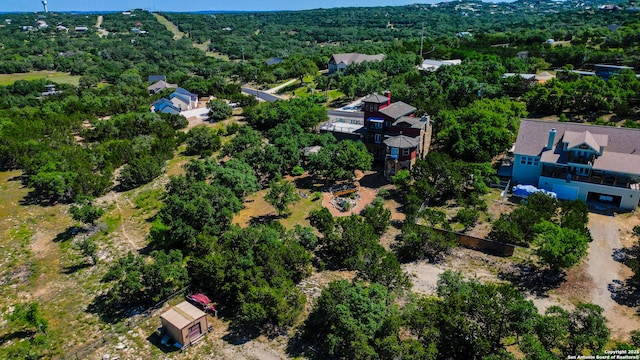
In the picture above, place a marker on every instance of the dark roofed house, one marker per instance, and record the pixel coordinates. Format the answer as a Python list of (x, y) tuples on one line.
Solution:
[(165, 106), (576, 161), (393, 134), (339, 62)]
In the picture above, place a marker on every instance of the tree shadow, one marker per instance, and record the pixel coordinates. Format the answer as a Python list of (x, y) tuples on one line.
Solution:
[(109, 313), (298, 347), (155, 339), (23, 334), (33, 198), (69, 233), (625, 292), (310, 182), (374, 180), (240, 333), (262, 219), (534, 280), (75, 268)]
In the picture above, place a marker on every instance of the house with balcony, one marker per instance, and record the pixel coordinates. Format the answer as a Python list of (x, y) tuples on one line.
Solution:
[(576, 161), (393, 134)]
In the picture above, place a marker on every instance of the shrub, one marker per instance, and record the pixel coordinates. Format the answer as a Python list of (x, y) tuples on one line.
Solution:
[(297, 170), (467, 217)]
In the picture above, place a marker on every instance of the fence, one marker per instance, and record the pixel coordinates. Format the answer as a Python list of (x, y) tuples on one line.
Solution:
[(85, 350), (481, 244)]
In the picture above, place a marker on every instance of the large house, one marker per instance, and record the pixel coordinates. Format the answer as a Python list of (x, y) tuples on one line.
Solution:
[(339, 62), (393, 134), (576, 161), (179, 100), (183, 99)]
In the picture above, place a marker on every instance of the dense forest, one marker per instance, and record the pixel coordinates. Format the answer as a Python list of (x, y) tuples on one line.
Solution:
[(81, 142)]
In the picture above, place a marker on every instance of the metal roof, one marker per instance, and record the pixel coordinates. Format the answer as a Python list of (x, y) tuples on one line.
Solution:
[(398, 109), (401, 142), (182, 315)]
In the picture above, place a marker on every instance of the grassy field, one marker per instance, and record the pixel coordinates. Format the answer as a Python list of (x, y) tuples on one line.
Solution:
[(59, 77), (177, 34)]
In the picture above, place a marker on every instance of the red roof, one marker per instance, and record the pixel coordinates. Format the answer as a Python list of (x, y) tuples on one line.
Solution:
[(200, 298)]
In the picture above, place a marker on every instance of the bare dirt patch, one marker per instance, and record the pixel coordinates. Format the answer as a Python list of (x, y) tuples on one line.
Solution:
[(369, 183)]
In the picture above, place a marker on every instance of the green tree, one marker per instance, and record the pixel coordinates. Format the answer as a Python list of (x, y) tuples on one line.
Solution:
[(351, 242), (571, 333), (559, 248), (28, 316), (377, 215), (140, 171), (281, 195), (476, 317), (86, 212), (192, 212), (424, 242), (340, 161), (481, 131), (89, 249), (140, 280), (346, 318), (322, 220), (218, 110), (255, 270), (203, 141)]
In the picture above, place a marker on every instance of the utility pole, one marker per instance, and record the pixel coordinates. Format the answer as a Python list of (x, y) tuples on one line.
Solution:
[(421, 42)]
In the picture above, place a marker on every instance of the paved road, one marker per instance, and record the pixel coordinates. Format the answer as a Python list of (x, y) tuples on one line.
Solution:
[(260, 94)]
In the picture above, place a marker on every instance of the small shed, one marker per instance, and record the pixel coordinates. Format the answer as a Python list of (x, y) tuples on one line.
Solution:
[(185, 323)]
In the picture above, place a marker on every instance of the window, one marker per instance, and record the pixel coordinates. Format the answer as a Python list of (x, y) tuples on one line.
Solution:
[(529, 160), (378, 125), (581, 171), (394, 151), (406, 152), (378, 138)]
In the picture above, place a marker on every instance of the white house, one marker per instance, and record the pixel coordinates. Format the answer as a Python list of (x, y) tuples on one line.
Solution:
[(339, 62)]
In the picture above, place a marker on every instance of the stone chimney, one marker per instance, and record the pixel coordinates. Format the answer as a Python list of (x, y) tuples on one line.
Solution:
[(552, 139)]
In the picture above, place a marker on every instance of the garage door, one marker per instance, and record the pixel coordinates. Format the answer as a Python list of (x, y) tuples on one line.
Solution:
[(565, 192)]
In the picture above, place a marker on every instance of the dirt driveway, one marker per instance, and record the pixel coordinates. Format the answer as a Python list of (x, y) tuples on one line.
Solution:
[(607, 274)]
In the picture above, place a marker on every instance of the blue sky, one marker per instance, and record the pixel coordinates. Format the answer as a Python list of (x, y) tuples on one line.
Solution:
[(191, 5)]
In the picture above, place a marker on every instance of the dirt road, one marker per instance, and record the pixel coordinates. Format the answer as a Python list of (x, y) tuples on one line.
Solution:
[(606, 273)]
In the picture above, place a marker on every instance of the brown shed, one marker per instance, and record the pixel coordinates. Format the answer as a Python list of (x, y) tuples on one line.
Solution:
[(185, 323)]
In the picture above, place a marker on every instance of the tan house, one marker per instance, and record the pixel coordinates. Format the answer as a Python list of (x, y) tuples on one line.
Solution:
[(185, 323), (159, 86)]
